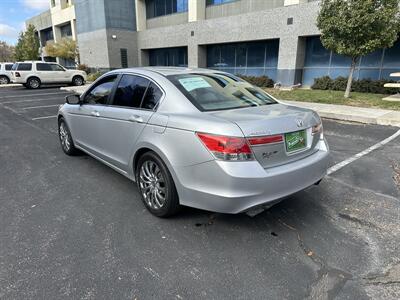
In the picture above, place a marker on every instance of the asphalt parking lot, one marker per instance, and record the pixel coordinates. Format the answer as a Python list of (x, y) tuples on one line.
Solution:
[(72, 228)]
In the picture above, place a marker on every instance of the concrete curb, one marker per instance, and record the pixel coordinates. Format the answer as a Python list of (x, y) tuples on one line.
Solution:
[(351, 113), (330, 111), (10, 85)]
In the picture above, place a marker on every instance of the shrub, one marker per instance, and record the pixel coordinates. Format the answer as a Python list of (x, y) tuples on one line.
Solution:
[(260, 81), (93, 76), (322, 83), (362, 86), (83, 67)]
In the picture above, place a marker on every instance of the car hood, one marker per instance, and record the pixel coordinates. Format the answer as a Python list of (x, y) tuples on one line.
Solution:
[(270, 119)]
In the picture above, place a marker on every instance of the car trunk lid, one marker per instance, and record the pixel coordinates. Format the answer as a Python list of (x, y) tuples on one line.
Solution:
[(277, 133)]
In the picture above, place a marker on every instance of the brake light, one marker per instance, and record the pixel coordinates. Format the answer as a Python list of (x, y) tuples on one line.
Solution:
[(226, 147), (262, 140), (17, 74)]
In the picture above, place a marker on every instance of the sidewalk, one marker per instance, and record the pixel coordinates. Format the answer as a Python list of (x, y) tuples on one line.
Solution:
[(10, 85), (330, 111)]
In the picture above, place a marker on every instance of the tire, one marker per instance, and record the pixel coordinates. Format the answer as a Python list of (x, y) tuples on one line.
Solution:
[(64, 135), (78, 80), (33, 83), (156, 186), (4, 80)]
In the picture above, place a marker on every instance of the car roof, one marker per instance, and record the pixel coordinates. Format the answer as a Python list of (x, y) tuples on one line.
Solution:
[(165, 71)]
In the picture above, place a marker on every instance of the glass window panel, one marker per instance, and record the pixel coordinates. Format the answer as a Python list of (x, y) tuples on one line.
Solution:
[(130, 91), (344, 72), (310, 74), (181, 5), (213, 56), (272, 54), (228, 56), (241, 52), (170, 7), (255, 54), (372, 60), (392, 56), (369, 74), (255, 72), (340, 61), (153, 95), (386, 74), (240, 71), (316, 54), (160, 8), (271, 73), (150, 9)]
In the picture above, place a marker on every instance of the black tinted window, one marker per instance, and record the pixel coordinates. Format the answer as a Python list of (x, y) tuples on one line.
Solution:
[(152, 97), (130, 91), (24, 67), (43, 67), (99, 94), (55, 67), (8, 67)]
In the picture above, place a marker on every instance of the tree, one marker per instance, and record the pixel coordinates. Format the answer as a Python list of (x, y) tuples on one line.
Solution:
[(66, 48), (6, 52), (355, 28), (27, 47)]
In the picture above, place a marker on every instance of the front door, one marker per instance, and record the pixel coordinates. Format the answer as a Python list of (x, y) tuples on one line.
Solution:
[(88, 119)]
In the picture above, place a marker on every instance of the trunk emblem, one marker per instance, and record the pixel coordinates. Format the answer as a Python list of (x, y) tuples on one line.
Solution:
[(269, 154), (299, 123)]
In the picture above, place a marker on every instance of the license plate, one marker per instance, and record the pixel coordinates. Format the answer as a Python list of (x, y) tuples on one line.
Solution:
[(295, 141)]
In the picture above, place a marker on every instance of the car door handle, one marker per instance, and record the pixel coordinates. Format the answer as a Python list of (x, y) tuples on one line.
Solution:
[(95, 114), (136, 118)]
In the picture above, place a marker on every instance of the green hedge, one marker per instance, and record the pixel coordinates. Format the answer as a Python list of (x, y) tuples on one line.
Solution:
[(261, 81), (362, 86)]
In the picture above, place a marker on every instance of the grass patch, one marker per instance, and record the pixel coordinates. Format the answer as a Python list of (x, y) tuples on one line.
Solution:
[(335, 97)]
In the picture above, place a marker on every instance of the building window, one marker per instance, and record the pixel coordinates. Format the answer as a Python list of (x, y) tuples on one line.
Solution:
[(157, 8), (250, 58), (53, 3), (124, 57), (66, 30), (47, 35), (322, 62), (176, 57), (216, 2)]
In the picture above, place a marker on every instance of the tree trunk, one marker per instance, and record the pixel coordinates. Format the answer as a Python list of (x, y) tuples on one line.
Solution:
[(350, 80)]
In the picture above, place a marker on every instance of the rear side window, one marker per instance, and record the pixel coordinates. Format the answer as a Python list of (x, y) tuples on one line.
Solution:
[(130, 91), (99, 94), (24, 67), (8, 67), (43, 67), (153, 95)]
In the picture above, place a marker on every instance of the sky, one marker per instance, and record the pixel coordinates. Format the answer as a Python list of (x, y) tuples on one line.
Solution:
[(13, 14)]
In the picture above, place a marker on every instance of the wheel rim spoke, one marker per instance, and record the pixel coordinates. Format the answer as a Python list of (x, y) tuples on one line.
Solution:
[(152, 184)]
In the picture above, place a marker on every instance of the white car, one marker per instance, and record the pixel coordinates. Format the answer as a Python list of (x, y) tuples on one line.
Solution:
[(32, 74), (5, 72)]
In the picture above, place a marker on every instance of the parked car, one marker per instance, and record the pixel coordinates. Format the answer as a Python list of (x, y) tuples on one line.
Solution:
[(32, 74), (195, 137), (5, 72)]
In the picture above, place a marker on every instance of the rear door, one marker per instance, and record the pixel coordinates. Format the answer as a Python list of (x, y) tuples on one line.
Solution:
[(87, 120), (133, 104), (45, 72)]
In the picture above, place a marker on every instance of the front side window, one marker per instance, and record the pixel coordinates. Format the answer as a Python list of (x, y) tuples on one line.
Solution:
[(55, 67), (24, 67), (8, 67), (210, 92), (100, 93), (130, 91)]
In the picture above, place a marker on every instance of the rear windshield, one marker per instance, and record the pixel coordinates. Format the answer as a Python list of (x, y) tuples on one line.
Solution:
[(210, 92), (24, 67)]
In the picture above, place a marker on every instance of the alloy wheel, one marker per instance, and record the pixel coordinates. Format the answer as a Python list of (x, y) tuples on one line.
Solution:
[(34, 83), (78, 81), (152, 184), (3, 80), (64, 137)]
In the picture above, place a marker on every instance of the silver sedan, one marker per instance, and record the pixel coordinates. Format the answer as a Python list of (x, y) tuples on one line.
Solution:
[(195, 137)]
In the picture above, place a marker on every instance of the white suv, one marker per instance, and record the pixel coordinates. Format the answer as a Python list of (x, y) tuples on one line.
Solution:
[(32, 74), (5, 72)]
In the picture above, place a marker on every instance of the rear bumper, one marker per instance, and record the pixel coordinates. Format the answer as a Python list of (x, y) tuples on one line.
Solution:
[(234, 187)]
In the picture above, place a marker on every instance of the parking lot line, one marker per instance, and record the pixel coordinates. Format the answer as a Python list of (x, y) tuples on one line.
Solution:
[(41, 106), (46, 117), (30, 100), (33, 95), (344, 163)]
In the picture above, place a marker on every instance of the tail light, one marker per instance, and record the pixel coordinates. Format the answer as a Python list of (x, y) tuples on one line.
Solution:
[(263, 140), (17, 74), (226, 147)]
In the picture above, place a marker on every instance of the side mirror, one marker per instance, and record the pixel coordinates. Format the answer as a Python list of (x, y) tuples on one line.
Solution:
[(73, 99)]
